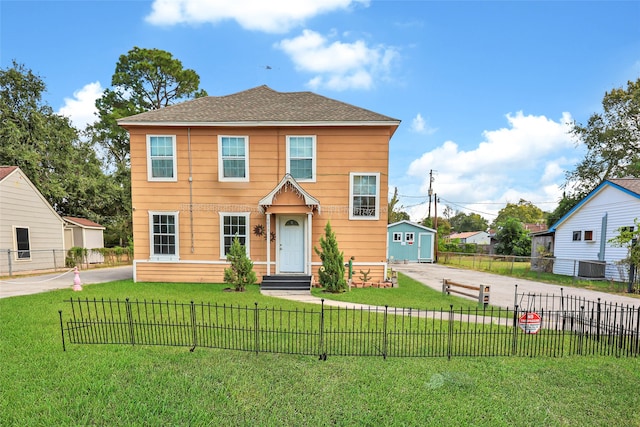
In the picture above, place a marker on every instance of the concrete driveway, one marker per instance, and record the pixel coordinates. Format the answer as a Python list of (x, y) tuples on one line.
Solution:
[(502, 287), (27, 285)]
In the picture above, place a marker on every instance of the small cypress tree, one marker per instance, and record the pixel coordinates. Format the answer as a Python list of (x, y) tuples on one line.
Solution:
[(332, 271), (241, 273)]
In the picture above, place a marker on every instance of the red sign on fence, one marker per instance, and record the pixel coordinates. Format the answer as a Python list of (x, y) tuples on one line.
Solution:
[(530, 322)]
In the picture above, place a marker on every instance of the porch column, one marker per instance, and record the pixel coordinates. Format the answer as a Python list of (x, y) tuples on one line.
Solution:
[(309, 239), (268, 244)]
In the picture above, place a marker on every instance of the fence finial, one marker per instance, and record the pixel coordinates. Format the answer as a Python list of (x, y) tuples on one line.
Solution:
[(77, 283)]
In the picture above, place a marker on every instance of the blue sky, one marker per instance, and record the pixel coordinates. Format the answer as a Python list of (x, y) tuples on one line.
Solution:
[(484, 89)]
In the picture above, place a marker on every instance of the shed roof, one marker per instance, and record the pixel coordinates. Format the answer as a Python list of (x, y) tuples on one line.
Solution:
[(260, 106), (82, 222), (6, 171), (413, 224)]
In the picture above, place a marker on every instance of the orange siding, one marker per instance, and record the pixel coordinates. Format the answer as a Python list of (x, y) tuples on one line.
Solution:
[(339, 151)]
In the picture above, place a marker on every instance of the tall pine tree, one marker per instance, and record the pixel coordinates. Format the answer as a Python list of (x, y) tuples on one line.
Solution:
[(332, 271)]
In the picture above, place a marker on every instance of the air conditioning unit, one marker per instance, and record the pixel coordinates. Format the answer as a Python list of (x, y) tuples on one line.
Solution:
[(591, 269)]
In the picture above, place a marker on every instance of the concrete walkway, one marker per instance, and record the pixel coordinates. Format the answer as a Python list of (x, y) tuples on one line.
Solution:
[(26, 285)]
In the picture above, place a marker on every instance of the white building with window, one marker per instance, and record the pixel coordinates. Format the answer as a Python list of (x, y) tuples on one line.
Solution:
[(31, 231), (582, 236)]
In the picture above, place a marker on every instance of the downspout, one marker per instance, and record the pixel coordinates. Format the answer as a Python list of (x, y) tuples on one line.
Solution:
[(193, 249), (603, 237)]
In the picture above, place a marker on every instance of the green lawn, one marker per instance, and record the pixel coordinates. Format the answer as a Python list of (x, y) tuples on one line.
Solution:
[(126, 385), (411, 294)]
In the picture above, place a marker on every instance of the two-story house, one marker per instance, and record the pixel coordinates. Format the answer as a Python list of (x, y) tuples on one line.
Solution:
[(269, 167)]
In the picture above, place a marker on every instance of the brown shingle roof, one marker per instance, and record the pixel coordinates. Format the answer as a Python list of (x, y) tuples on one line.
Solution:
[(83, 222), (6, 170), (631, 184), (259, 105)]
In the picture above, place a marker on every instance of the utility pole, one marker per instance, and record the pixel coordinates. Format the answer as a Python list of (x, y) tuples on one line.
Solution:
[(435, 227), (430, 192)]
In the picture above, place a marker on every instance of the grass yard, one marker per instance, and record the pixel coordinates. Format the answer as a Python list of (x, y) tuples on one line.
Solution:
[(126, 385), (410, 293)]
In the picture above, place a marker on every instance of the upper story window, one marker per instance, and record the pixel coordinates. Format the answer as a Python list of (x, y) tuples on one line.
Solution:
[(588, 235), (364, 196), (161, 158), (232, 225), (301, 157), (233, 158), (163, 236), (577, 236), (23, 243)]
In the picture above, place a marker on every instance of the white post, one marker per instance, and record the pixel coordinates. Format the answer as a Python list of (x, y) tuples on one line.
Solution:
[(309, 241), (268, 244)]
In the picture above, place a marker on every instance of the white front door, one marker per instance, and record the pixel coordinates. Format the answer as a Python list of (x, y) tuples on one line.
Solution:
[(291, 244)]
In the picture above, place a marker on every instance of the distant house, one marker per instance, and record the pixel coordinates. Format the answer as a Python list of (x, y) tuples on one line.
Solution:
[(31, 231), (473, 237), (410, 241), (581, 246), (81, 232)]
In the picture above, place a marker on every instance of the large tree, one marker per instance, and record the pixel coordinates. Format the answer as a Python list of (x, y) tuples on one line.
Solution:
[(144, 79), (462, 222), (513, 239), (47, 148), (524, 211), (612, 139)]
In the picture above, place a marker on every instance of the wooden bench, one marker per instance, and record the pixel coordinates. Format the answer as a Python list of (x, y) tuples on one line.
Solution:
[(481, 293)]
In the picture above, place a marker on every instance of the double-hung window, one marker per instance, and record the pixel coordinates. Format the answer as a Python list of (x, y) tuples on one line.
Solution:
[(364, 196), (233, 158), (232, 225), (301, 155), (161, 158), (164, 236), (23, 244)]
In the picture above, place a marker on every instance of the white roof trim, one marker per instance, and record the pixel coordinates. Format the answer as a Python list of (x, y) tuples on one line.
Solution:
[(259, 123), (285, 182)]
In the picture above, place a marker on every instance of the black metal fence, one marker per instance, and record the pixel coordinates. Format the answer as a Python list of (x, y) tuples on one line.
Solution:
[(373, 331)]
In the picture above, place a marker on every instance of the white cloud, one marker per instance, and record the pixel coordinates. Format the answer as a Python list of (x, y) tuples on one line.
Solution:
[(525, 160), (338, 65), (273, 16), (81, 109), (419, 125)]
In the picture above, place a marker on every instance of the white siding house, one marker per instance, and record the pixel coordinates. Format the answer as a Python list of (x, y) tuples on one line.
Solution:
[(583, 233), (31, 231), (86, 234), (473, 237)]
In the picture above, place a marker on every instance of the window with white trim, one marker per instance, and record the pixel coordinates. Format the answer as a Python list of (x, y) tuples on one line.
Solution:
[(233, 158), (397, 237), (577, 236), (364, 196), (588, 235), (163, 236), (161, 158), (23, 243), (232, 225), (408, 237), (301, 157)]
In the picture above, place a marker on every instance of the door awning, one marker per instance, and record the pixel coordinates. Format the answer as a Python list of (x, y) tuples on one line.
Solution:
[(288, 184)]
